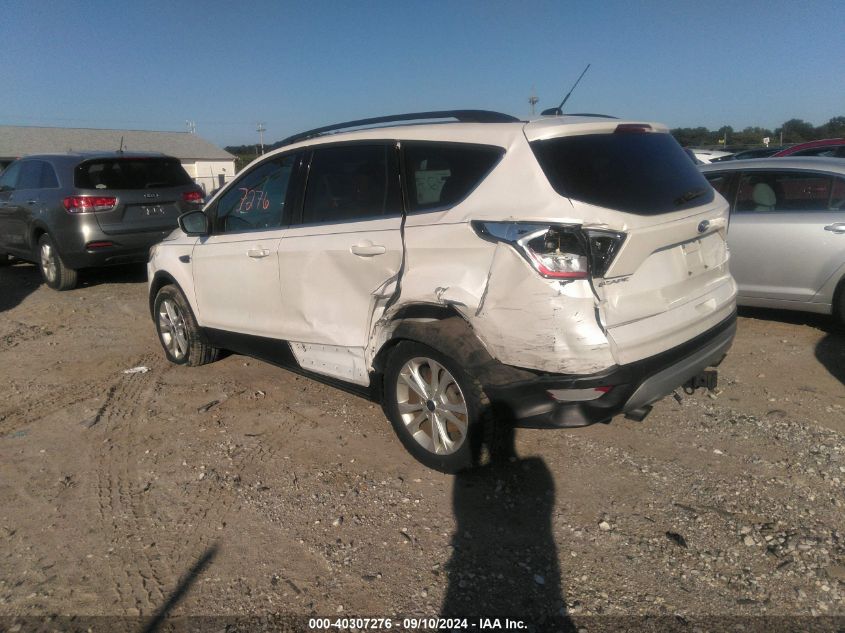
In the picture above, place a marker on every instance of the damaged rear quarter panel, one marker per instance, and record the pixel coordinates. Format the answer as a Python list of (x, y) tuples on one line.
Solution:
[(521, 318), (539, 323)]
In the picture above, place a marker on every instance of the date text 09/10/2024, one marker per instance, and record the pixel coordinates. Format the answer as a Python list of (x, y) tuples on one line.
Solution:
[(415, 624)]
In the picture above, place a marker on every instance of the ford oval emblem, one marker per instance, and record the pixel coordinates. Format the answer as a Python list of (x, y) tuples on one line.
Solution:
[(703, 226)]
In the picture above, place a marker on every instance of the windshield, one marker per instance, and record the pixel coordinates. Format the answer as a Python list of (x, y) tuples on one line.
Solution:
[(646, 173)]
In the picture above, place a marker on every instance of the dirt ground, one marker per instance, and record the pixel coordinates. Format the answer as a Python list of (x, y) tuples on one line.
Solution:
[(240, 489)]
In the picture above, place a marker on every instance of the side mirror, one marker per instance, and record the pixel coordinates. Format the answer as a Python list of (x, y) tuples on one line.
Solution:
[(194, 223)]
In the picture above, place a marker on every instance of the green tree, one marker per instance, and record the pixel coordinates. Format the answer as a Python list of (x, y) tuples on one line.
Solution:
[(797, 131), (835, 128), (751, 136), (724, 133), (691, 137)]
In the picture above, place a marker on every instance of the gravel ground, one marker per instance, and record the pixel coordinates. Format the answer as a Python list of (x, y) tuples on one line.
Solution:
[(241, 490)]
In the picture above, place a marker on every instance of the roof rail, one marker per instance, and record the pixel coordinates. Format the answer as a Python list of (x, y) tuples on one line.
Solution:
[(464, 116), (604, 116)]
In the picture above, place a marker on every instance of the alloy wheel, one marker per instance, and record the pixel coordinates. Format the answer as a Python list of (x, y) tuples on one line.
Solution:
[(49, 266), (171, 326), (432, 406)]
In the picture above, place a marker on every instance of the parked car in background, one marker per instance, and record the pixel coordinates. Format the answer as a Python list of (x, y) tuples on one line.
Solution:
[(787, 231), (80, 210), (692, 156), (832, 147), (709, 155), (759, 152), (467, 274)]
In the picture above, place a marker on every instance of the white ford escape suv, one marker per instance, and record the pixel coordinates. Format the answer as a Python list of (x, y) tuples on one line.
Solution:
[(467, 274)]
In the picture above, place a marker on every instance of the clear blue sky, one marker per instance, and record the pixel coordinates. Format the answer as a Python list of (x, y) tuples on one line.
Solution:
[(293, 66)]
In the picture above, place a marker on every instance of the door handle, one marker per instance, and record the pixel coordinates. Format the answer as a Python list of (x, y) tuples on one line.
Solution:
[(258, 253), (367, 249), (836, 227), (32, 201)]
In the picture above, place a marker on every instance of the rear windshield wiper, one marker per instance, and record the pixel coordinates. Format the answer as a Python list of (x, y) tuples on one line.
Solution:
[(688, 196)]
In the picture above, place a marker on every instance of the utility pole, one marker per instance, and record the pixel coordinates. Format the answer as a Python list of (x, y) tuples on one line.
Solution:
[(533, 100), (261, 129)]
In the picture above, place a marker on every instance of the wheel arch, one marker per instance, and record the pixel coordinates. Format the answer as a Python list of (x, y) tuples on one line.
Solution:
[(159, 281), (446, 330), (419, 322), (38, 229)]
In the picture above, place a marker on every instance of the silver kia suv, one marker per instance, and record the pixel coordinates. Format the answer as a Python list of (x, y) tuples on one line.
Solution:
[(81, 210), (469, 275)]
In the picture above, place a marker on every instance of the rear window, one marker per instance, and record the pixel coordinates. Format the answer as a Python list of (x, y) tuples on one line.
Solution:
[(131, 173), (646, 173)]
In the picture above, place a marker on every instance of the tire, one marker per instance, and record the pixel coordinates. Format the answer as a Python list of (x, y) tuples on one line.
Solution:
[(178, 332), (5, 260), (437, 410), (839, 306), (54, 271)]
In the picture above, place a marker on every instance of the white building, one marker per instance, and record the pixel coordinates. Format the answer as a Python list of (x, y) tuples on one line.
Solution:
[(206, 163)]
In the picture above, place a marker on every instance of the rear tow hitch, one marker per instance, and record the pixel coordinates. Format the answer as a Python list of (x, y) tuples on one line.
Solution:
[(708, 379)]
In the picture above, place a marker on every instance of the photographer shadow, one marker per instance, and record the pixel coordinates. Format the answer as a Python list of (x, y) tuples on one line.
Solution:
[(504, 561)]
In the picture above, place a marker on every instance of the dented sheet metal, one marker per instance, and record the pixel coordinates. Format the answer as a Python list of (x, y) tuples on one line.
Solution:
[(331, 285), (521, 318), (529, 321)]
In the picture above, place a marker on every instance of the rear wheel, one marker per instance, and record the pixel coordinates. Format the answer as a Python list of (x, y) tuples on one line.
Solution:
[(5, 260), (54, 271), (434, 406), (178, 332)]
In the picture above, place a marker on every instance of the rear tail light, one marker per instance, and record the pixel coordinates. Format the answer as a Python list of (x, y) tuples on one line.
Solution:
[(192, 196), (562, 252), (89, 204), (603, 246), (556, 252)]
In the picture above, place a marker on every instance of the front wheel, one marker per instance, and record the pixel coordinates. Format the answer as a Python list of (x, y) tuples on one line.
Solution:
[(839, 305), (434, 406), (178, 332), (55, 272)]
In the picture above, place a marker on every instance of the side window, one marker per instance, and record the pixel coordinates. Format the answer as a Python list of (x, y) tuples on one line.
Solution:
[(30, 177), (48, 177), (351, 182), (719, 182), (9, 178), (257, 200), (783, 191), (837, 194), (442, 174), (824, 150)]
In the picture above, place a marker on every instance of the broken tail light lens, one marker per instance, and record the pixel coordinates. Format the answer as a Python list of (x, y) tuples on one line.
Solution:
[(88, 204), (556, 253), (603, 245)]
